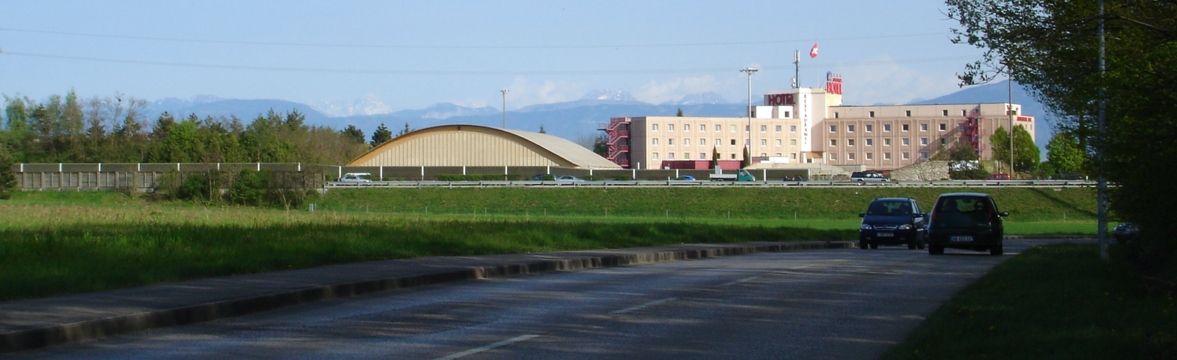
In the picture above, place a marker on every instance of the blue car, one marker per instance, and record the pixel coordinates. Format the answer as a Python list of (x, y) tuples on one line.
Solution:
[(892, 221)]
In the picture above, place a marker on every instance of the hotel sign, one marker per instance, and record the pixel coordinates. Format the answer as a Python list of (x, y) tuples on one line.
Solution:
[(779, 99)]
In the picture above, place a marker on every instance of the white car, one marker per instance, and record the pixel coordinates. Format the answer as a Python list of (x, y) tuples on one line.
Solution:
[(867, 176), (356, 178)]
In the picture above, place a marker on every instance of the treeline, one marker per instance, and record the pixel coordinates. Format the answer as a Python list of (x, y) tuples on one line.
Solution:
[(114, 130)]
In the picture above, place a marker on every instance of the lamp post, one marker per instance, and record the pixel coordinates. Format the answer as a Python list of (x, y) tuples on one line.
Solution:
[(504, 92), (1009, 90), (748, 141)]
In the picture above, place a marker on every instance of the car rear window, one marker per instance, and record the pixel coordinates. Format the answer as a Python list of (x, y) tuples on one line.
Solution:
[(962, 211), (889, 208)]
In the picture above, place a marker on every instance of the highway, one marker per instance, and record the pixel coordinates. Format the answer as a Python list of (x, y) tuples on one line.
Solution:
[(819, 304)]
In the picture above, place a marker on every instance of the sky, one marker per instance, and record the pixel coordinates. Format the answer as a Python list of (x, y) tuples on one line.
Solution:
[(348, 56)]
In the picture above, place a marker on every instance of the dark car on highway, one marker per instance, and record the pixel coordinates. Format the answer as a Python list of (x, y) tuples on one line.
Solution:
[(965, 221), (892, 221)]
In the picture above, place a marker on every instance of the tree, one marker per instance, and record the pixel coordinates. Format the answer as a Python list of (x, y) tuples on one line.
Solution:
[(1052, 47), (679, 113), (747, 160), (1025, 152), (714, 158), (406, 130), (541, 129), (7, 176), (601, 145), (382, 134), (353, 133), (1064, 154)]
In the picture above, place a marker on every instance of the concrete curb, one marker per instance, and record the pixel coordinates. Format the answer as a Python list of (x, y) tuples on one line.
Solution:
[(448, 269)]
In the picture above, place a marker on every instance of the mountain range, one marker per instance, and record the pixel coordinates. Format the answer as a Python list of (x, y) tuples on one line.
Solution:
[(577, 120)]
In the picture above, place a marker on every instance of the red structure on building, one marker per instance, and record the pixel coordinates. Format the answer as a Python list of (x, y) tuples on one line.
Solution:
[(618, 141), (970, 132)]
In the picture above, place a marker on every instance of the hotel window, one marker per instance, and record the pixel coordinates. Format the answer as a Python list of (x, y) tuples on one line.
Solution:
[(733, 141), (907, 112), (763, 128), (923, 155), (943, 126), (763, 141), (777, 155), (945, 112), (731, 128), (850, 142), (686, 141), (871, 114), (833, 142), (654, 141), (833, 128), (686, 156), (886, 156), (886, 127), (794, 156), (778, 142), (943, 141), (702, 141), (832, 156), (835, 114), (870, 142), (669, 141), (670, 156), (718, 141), (702, 127), (850, 128), (733, 155), (718, 128), (747, 128), (964, 112), (669, 127), (653, 127), (849, 156), (655, 157), (778, 128), (686, 127), (788, 115), (906, 155), (792, 141), (887, 142), (792, 128), (870, 156), (906, 141), (763, 154), (702, 155), (923, 141), (923, 127), (869, 127), (905, 127)]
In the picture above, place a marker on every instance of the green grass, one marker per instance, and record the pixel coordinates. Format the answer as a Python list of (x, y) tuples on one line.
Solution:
[(1052, 302), (54, 243)]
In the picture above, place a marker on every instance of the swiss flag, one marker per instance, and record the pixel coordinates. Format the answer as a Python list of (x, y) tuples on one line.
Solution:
[(813, 51)]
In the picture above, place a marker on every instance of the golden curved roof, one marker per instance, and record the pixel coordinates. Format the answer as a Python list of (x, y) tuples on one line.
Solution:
[(477, 145)]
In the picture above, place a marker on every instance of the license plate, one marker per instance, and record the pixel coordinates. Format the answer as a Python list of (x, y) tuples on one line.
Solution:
[(960, 238), (883, 234)]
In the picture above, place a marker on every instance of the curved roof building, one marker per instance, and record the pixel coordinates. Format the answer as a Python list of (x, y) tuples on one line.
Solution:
[(477, 145)]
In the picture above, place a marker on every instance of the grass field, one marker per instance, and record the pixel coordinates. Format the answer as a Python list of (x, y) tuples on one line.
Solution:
[(1052, 302), (54, 243)]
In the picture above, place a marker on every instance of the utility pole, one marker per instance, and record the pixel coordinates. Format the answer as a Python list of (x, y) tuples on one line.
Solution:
[(1101, 197), (796, 69), (748, 140), (504, 91), (1009, 90)]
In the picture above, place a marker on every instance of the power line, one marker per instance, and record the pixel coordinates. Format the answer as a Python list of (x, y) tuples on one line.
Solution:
[(466, 72), (457, 46)]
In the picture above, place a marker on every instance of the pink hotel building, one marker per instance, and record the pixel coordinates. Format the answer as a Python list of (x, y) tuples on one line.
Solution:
[(803, 126)]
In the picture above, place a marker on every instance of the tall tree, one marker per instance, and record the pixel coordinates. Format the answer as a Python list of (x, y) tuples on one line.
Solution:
[(7, 175), (382, 134), (403, 131), (353, 133), (1064, 153), (1025, 152)]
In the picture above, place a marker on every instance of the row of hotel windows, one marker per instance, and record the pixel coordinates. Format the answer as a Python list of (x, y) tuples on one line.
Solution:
[(886, 127), (871, 156), (704, 156), (703, 141), (719, 128), (886, 141), (908, 113)]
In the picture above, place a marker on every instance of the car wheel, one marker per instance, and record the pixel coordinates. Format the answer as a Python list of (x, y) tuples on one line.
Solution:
[(911, 245), (862, 244), (935, 250), (996, 250), (874, 246)]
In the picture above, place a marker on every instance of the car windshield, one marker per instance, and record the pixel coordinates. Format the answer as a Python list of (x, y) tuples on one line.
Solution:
[(889, 208), (962, 211)]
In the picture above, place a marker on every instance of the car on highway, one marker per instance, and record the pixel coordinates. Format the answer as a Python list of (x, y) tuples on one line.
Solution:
[(867, 176), (568, 178), (966, 220), (1126, 232), (685, 178), (356, 178), (892, 221)]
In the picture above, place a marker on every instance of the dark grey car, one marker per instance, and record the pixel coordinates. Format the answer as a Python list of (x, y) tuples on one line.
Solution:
[(892, 221), (965, 221)]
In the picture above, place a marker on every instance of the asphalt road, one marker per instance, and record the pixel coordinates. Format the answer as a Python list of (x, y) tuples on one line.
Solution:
[(823, 304)]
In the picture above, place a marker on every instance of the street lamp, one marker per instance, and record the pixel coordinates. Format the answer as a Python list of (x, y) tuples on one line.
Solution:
[(504, 91), (748, 141)]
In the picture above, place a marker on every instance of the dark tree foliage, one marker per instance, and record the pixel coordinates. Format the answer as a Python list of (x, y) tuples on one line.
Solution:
[(1052, 47), (353, 133), (382, 135), (747, 160), (7, 174), (601, 145)]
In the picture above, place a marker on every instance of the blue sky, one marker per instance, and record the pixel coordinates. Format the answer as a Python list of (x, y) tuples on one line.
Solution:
[(392, 55)]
